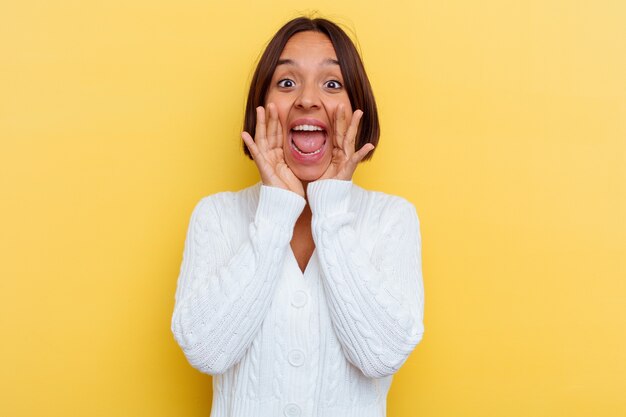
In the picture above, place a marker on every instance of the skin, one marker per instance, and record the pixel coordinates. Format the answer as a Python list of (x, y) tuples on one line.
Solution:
[(308, 84)]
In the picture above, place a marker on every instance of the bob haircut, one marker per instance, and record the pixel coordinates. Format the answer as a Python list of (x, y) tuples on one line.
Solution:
[(355, 79)]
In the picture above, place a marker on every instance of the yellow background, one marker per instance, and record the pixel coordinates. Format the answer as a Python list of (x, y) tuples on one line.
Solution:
[(504, 122)]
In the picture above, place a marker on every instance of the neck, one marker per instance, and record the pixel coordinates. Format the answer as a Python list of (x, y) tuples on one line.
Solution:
[(305, 185), (305, 217)]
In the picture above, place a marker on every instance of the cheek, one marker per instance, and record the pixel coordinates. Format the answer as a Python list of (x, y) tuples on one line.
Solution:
[(282, 101), (283, 114), (347, 106)]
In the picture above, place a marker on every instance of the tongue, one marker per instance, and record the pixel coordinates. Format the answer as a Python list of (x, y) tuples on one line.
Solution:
[(308, 141)]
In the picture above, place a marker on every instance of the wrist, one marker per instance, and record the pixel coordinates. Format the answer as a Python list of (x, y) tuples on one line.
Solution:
[(328, 197), (278, 205)]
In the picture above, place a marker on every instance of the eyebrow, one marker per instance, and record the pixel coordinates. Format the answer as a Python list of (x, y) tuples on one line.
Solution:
[(328, 61)]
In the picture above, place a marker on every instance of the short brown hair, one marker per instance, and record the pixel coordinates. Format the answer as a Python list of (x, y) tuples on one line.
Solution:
[(355, 79)]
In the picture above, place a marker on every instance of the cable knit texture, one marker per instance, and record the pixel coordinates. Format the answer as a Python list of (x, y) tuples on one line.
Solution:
[(279, 342)]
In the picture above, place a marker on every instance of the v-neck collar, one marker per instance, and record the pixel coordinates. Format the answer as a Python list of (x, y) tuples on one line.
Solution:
[(308, 266)]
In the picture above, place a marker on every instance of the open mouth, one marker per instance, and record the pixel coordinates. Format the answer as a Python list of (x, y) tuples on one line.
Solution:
[(307, 139)]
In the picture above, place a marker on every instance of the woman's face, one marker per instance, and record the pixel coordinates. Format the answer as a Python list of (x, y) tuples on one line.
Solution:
[(307, 88)]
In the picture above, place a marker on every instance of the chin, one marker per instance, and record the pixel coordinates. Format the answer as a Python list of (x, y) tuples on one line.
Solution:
[(309, 174)]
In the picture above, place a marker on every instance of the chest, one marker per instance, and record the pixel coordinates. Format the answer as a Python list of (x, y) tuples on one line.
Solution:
[(296, 354), (302, 244)]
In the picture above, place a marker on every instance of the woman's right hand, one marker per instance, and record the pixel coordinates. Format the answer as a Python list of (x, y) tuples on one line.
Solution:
[(267, 151)]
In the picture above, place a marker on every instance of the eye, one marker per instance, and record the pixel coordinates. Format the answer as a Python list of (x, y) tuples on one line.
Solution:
[(333, 84), (286, 83)]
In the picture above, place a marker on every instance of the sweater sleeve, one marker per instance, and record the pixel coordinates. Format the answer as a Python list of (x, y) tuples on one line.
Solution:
[(376, 300), (224, 294)]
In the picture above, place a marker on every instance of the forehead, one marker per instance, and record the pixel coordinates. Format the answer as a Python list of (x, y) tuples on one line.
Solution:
[(309, 44)]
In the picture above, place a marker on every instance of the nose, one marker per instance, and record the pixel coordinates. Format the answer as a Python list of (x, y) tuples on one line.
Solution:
[(308, 98)]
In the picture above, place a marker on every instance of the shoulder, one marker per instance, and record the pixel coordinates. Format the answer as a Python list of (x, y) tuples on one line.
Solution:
[(385, 207), (385, 218), (227, 205)]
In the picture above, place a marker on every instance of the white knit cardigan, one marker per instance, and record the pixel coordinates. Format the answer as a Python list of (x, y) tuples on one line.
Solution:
[(280, 342)]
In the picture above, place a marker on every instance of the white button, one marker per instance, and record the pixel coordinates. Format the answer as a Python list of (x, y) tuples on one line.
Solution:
[(292, 410), (296, 357), (299, 299)]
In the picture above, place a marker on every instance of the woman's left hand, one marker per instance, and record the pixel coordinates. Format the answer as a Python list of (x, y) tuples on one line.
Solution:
[(345, 159)]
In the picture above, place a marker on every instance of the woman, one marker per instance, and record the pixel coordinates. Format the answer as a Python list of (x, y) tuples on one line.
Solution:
[(303, 294)]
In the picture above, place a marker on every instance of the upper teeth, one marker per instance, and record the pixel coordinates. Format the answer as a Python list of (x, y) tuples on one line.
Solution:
[(307, 127)]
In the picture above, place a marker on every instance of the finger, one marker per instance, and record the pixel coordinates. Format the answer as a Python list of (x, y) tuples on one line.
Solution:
[(271, 125), (279, 133), (260, 129), (247, 139), (352, 131), (340, 123), (361, 153)]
